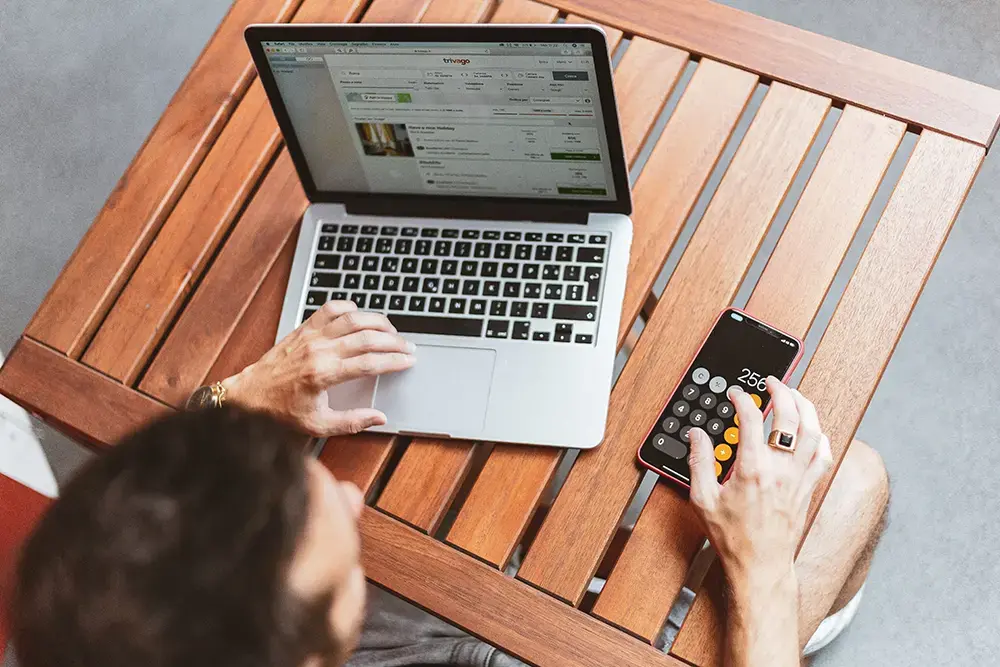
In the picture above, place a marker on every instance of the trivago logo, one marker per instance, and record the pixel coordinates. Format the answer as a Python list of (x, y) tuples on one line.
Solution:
[(456, 61)]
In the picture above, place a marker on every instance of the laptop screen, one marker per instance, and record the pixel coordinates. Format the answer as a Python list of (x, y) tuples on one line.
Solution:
[(450, 118)]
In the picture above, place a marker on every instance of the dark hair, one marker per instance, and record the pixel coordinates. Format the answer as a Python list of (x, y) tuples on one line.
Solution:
[(173, 549)]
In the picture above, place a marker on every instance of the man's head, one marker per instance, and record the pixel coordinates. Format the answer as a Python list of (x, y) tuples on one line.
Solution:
[(204, 539)]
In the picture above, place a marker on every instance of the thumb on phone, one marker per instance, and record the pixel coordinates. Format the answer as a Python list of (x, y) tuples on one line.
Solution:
[(704, 486)]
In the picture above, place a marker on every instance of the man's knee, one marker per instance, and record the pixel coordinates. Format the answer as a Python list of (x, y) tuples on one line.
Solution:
[(864, 483)]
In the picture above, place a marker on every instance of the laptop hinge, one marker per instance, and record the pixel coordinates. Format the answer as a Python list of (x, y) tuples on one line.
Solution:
[(474, 210)]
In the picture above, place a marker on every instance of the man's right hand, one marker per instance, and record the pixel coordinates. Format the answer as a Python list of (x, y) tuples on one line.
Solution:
[(337, 344)]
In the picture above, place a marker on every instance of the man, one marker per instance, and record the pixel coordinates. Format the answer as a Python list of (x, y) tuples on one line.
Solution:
[(208, 538)]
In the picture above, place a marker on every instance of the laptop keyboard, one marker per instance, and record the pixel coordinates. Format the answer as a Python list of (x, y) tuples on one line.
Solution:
[(529, 286)]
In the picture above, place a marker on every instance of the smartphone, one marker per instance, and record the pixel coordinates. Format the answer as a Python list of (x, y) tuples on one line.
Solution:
[(740, 350)]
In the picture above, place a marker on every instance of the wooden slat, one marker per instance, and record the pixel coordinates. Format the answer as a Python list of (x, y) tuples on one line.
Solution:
[(614, 35), (843, 71), (211, 315), (71, 397), (482, 601), (586, 513), (147, 191), (467, 11), (788, 295), (396, 11), (846, 368), (432, 471), (507, 491)]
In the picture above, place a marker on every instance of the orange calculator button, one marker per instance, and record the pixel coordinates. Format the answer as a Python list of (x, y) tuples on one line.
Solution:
[(718, 469), (756, 399), (732, 435), (723, 452)]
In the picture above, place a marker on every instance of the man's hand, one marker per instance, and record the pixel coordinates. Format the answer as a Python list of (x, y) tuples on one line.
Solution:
[(756, 521), (338, 343)]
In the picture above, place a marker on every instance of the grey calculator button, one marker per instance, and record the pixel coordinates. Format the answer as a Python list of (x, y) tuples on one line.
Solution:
[(671, 424), (684, 433), (670, 446), (698, 417), (717, 384), (690, 392), (681, 409), (715, 427), (708, 401), (726, 410), (700, 375)]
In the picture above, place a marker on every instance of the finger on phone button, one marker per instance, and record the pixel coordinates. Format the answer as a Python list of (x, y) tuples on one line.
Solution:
[(756, 400)]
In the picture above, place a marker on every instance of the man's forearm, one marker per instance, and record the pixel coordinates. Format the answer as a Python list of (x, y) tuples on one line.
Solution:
[(763, 620)]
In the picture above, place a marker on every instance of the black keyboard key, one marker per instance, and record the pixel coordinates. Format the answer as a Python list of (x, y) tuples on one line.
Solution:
[(429, 267), (491, 288), (599, 238), (522, 251), (519, 309), (482, 250), (365, 244), (470, 287), (590, 255), (330, 280), (450, 286), (540, 335), (409, 265), (564, 253), (470, 233), (593, 290), (489, 269), (352, 281), (512, 236), (329, 262), (349, 229), (553, 238), (352, 263), (592, 274), (403, 246), (410, 231), (497, 328), (345, 244), (529, 271), (371, 283), (576, 238), (390, 230), (422, 248), (502, 250), (571, 273), (521, 330), (390, 283), (370, 230), (585, 338), (498, 309), (463, 249), (477, 307), (441, 326), (397, 302), (551, 272), (329, 228), (509, 270), (369, 263), (469, 268), (418, 303), (532, 290), (533, 236), (457, 306), (442, 248), (562, 337), (377, 302), (574, 293), (390, 264), (540, 311), (566, 311), (411, 284), (431, 285), (491, 236), (450, 233), (543, 253), (436, 304), (563, 327), (553, 292), (338, 296), (316, 298), (449, 267), (359, 299), (512, 290), (383, 246), (429, 233), (309, 312), (326, 243)]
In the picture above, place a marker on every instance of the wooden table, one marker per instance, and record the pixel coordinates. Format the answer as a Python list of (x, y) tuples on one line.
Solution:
[(180, 281)]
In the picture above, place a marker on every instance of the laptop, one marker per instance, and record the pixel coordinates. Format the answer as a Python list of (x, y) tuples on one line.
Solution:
[(468, 182)]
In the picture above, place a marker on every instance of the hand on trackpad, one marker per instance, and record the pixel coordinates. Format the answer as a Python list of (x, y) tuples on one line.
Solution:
[(447, 391)]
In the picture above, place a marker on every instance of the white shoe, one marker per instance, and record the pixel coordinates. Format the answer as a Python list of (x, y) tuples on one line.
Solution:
[(21, 455)]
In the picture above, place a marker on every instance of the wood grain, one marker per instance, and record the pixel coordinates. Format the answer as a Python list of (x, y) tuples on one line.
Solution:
[(75, 399), (396, 11), (846, 368), (614, 35), (586, 513), (908, 92), (459, 11), (357, 458), (789, 295), (524, 11), (485, 603), (147, 191), (211, 315), (508, 490)]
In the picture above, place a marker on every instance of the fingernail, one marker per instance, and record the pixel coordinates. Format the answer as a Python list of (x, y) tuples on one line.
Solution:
[(733, 390)]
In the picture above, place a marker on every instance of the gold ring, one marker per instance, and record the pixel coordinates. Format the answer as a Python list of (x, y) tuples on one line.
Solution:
[(782, 440)]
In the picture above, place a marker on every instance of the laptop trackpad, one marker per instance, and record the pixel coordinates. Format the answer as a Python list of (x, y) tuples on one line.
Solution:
[(446, 391)]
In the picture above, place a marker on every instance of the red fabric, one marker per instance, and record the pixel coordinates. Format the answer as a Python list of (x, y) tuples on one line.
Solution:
[(20, 509)]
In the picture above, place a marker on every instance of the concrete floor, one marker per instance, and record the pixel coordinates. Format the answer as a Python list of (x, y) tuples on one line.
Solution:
[(83, 83)]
